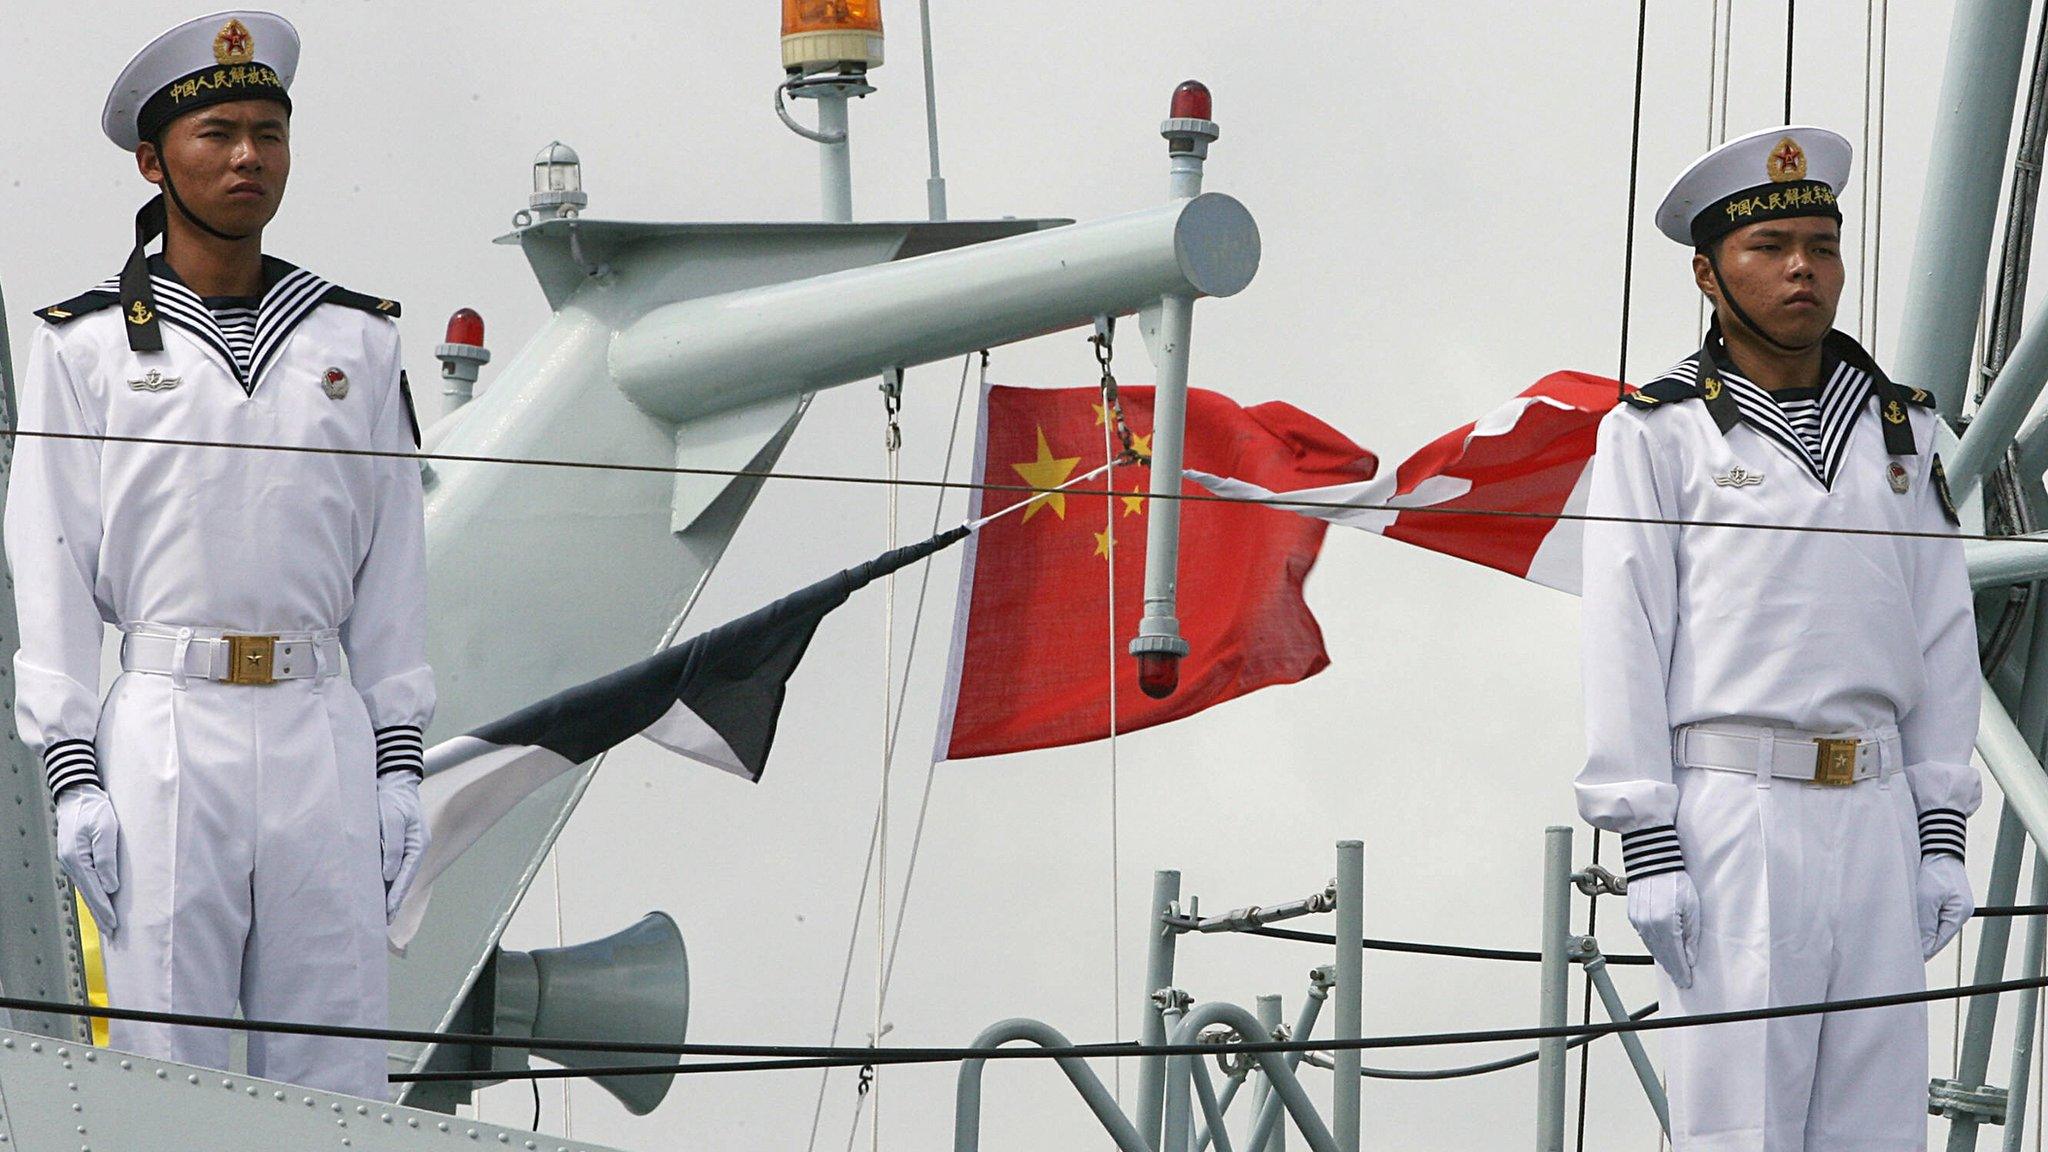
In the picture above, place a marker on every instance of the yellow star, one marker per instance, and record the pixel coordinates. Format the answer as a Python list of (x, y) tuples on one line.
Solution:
[(1046, 472), (1134, 503), (1102, 543), (1142, 444), (1101, 414)]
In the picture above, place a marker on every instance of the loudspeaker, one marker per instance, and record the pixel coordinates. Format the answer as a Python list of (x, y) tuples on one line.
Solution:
[(633, 986)]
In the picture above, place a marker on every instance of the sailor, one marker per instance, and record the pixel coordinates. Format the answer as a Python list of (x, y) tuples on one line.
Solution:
[(1779, 723), (242, 811)]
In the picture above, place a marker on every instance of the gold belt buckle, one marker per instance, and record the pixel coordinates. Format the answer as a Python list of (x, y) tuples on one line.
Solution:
[(249, 659), (1834, 762)]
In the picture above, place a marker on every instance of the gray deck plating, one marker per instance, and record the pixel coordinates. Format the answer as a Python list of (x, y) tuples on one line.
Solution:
[(57, 1096)]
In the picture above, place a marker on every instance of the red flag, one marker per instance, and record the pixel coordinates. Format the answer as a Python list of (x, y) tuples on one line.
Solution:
[(1031, 643), (1530, 455)]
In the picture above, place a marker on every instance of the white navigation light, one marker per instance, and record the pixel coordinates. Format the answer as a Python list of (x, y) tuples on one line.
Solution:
[(557, 182), (821, 35)]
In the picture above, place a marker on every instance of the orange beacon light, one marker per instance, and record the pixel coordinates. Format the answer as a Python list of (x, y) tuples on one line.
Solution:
[(821, 34)]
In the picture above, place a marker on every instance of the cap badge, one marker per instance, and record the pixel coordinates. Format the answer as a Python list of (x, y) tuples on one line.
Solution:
[(1739, 477), (1897, 475), (334, 382), (1787, 161), (233, 44), (154, 381)]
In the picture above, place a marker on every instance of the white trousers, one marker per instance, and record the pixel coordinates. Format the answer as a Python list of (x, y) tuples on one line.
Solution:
[(1806, 894), (249, 872)]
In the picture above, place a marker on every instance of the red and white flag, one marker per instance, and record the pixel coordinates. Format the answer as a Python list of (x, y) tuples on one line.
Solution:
[(1490, 492), (1032, 649)]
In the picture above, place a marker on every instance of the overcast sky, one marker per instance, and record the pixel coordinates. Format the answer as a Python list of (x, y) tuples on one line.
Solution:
[(1441, 191)]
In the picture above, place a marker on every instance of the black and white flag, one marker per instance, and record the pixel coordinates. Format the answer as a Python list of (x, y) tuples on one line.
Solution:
[(714, 698)]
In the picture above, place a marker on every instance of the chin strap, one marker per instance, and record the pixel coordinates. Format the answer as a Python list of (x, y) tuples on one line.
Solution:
[(138, 299), (1742, 314), (186, 211)]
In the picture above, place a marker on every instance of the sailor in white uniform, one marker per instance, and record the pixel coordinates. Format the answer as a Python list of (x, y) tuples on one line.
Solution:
[(242, 810), (1779, 724)]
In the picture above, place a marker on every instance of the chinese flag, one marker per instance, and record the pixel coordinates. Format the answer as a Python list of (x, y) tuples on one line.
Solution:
[(1032, 643)]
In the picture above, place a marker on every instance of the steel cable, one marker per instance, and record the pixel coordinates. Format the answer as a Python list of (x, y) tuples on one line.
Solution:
[(785, 1057), (1278, 501)]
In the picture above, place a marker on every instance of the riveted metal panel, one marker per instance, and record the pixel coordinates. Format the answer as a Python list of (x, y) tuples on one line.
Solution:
[(57, 1095), (39, 956)]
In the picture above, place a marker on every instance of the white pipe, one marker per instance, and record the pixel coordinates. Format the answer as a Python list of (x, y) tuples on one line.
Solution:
[(1553, 990), (1973, 125), (697, 357), (835, 160), (2005, 408), (1350, 991), (2013, 765), (1159, 628), (2015, 560), (935, 184)]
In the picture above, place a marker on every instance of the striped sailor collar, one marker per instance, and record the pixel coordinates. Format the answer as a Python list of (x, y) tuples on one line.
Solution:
[(289, 295), (1849, 376)]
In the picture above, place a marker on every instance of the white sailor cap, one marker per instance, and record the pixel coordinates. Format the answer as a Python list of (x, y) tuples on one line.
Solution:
[(1770, 174), (211, 60)]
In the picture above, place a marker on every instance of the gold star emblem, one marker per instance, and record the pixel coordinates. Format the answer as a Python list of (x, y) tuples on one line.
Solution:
[(1134, 503), (1101, 414), (1046, 472), (1102, 543), (233, 44), (1787, 162), (1142, 445)]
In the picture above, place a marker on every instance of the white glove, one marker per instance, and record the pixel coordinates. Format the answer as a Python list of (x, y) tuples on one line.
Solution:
[(404, 835), (1665, 910), (89, 848), (1944, 902)]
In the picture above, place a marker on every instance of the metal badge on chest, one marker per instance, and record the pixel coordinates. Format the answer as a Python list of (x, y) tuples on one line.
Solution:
[(334, 382), (154, 381)]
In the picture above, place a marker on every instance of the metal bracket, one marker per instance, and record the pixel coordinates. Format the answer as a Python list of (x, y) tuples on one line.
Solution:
[(1172, 1000), (1321, 980), (1596, 880), (1954, 1100)]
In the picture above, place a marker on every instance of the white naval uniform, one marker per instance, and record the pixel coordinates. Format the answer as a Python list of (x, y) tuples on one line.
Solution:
[(249, 862), (1806, 890)]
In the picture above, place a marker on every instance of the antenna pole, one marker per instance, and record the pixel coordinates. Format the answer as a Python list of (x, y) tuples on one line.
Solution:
[(935, 185)]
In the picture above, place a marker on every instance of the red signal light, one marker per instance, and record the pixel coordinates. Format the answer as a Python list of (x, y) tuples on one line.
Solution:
[(1191, 101), (466, 327), (1158, 673)]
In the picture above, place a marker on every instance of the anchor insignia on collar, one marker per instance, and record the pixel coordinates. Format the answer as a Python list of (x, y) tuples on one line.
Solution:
[(1739, 477), (154, 381)]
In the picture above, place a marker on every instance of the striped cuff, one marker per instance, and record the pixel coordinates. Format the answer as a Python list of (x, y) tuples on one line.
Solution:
[(69, 762), (1648, 852), (400, 748), (1943, 832)]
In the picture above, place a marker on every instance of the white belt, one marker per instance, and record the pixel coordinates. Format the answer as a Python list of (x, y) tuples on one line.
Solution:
[(1819, 758), (211, 654)]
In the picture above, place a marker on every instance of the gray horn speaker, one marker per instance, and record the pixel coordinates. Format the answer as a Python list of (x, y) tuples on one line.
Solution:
[(632, 986)]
